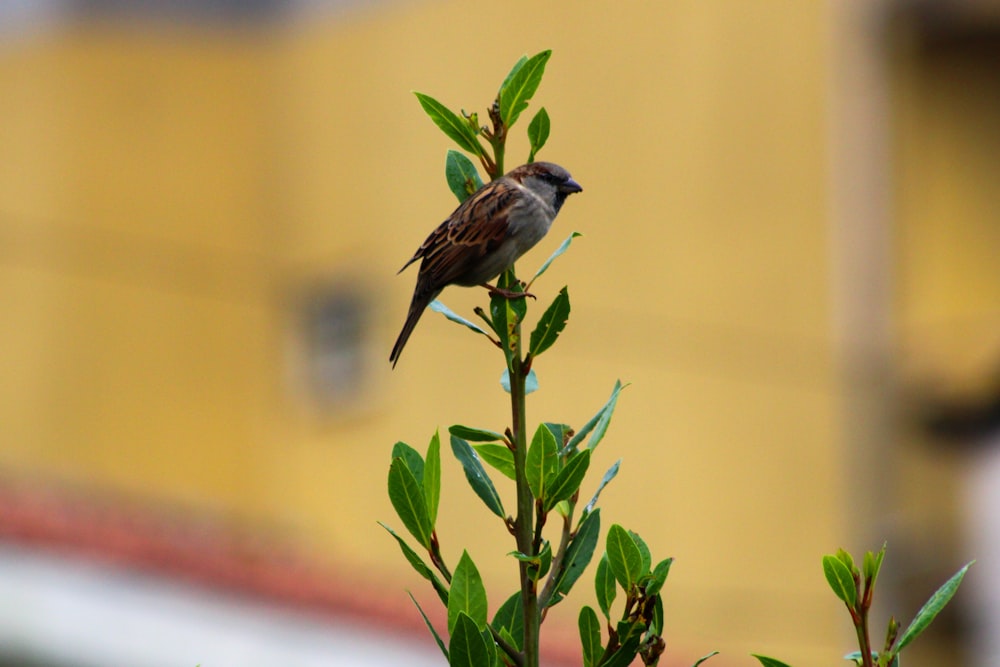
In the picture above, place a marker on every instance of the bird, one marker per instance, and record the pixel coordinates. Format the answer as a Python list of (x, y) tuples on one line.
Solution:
[(486, 234)]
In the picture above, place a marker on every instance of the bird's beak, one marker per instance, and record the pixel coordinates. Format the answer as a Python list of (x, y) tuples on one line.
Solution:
[(571, 186)]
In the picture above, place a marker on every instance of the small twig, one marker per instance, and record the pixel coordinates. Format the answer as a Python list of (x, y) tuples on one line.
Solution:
[(498, 137), (557, 562), (436, 560), (540, 517), (526, 366), (509, 650), (863, 638)]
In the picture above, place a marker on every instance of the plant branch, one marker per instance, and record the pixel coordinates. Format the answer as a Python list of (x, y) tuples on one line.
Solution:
[(510, 651), (488, 165), (525, 503), (436, 559), (497, 138), (557, 562), (864, 641), (540, 518)]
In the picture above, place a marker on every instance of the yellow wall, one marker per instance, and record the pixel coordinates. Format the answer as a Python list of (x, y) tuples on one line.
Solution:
[(136, 264), (697, 131), (167, 193)]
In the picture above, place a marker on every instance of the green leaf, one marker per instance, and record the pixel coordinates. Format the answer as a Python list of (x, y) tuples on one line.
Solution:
[(542, 462), (840, 579), (563, 508), (602, 424), (510, 617), (567, 481), (546, 557), (659, 577), (493, 660), (590, 636), (430, 627), (608, 476), (509, 638), (538, 565), (551, 324), (513, 70), (624, 557), (478, 479), (855, 657), (538, 132), (598, 423), (418, 564), (467, 595), (715, 653), (467, 647), (891, 635), (630, 627), (530, 382), (439, 307), (656, 623), (884, 660), (932, 608), (498, 456), (519, 89), (626, 653), (411, 457), (647, 558), (408, 500), (847, 560), (462, 176), (768, 662), (450, 123), (507, 313), (432, 478), (474, 434), (872, 565), (560, 431), (578, 554), (563, 247), (604, 584), (868, 566)]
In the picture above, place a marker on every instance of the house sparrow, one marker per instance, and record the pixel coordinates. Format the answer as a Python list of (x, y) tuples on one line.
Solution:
[(486, 234)]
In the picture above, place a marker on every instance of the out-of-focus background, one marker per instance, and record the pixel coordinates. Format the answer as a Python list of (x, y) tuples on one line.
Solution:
[(792, 252)]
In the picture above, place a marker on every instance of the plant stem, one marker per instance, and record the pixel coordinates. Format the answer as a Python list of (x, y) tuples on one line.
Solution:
[(557, 561), (498, 152), (436, 560), (525, 504), (510, 651), (863, 640), (498, 138)]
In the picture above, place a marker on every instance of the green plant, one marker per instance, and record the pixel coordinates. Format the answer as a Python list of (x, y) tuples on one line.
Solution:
[(547, 468), (856, 589)]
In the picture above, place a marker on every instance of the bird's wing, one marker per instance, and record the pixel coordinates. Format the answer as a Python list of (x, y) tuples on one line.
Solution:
[(476, 228)]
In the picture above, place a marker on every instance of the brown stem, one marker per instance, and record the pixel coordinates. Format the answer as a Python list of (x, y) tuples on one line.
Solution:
[(557, 563), (510, 651), (864, 641), (525, 504)]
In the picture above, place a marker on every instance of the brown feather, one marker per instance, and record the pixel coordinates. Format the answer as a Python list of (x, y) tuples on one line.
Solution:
[(480, 239)]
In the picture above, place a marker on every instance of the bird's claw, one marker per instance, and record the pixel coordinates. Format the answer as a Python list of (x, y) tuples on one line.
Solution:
[(508, 294)]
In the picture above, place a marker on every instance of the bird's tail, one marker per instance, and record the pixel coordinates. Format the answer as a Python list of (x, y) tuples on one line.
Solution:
[(417, 306)]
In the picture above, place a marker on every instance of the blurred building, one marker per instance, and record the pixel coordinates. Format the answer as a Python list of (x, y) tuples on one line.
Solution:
[(791, 230)]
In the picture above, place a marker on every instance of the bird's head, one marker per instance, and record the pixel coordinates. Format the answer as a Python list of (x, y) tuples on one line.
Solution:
[(549, 181)]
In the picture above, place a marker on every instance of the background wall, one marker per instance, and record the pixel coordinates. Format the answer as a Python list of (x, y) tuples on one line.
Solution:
[(200, 223)]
